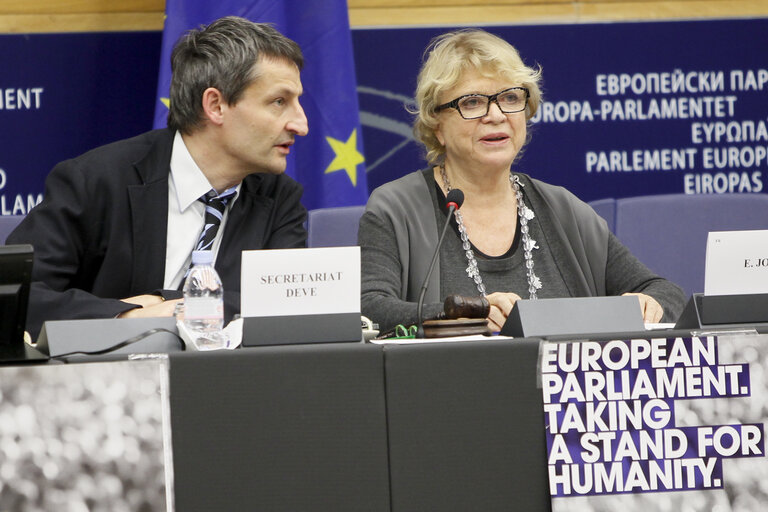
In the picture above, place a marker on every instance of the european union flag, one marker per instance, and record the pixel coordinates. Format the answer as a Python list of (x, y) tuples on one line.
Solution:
[(329, 161)]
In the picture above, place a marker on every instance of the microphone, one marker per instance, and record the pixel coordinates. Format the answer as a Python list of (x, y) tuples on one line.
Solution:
[(453, 201)]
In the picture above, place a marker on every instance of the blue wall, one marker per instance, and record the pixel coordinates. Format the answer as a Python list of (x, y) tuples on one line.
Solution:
[(62, 94), (588, 139)]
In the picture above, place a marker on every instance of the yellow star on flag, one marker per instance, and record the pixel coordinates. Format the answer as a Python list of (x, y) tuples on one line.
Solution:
[(347, 156), (166, 102)]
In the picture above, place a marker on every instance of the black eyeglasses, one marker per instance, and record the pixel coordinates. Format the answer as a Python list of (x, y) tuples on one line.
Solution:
[(474, 106)]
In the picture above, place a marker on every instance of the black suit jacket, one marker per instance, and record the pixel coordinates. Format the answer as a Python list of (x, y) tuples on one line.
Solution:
[(100, 232)]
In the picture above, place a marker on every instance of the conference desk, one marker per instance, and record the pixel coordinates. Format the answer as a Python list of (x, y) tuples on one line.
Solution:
[(321, 427), (351, 427)]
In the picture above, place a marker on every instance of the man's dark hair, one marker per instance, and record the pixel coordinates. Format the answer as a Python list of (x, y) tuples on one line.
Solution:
[(221, 55)]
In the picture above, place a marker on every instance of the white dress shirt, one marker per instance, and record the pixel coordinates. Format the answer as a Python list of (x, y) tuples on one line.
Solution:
[(186, 214)]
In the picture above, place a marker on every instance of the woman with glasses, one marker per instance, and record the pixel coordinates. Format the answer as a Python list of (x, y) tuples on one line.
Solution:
[(514, 236)]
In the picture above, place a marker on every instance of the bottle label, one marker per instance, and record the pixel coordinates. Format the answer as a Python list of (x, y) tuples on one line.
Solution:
[(203, 308)]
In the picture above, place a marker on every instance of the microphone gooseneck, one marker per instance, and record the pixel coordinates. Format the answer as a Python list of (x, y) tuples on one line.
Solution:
[(453, 201)]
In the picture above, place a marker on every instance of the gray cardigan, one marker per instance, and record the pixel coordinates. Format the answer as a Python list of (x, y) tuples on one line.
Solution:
[(404, 210)]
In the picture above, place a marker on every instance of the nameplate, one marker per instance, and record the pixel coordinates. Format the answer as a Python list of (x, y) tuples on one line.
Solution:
[(736, 263), (725, 311), (301, 295), (574, 316), (146, 335)]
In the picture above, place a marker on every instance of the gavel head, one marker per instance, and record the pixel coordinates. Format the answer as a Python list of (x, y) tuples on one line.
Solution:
[(459, 306)]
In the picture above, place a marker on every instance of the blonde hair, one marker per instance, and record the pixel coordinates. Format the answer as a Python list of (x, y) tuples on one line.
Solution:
[(448, 57)]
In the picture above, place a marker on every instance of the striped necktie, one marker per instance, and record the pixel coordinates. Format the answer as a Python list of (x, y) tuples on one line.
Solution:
[(214, 211)]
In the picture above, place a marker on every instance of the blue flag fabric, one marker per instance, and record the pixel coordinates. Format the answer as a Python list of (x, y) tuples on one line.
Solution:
[(328, 162)]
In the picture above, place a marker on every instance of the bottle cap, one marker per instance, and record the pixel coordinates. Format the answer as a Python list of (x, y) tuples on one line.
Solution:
[(202, 257)]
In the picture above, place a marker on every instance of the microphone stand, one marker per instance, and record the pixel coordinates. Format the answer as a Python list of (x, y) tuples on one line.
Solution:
[(454, 200)]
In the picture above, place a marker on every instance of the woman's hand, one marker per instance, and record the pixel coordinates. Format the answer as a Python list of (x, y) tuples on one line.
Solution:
[(652, 310), (501, 305)]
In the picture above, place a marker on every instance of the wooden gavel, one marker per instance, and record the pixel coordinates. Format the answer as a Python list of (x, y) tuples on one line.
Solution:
[(460, 306)]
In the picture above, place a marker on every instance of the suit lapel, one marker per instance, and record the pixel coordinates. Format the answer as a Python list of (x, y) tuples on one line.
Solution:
[(149, 216)]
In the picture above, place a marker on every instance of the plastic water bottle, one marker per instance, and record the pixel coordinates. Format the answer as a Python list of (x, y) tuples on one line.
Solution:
[(204, 303)]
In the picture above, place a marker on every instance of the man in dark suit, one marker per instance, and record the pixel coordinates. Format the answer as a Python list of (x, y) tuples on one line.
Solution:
[(114, 233)]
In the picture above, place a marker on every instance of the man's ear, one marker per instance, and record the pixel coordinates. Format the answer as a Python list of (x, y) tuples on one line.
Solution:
[(213, 105)]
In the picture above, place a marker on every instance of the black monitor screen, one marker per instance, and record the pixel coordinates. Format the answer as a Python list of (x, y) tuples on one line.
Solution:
[(15, 276)]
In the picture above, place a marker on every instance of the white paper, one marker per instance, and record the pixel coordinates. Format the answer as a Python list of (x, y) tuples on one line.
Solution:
[(314, 281), (737, 262), (449, 339)]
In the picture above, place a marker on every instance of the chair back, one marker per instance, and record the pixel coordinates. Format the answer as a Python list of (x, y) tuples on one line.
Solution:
[(7, 224), (333, 227), (668, 233), (606, 208)]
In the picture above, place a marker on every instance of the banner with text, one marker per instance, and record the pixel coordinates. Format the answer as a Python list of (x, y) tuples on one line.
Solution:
[(629, 108), (64, 94), (631, 424)]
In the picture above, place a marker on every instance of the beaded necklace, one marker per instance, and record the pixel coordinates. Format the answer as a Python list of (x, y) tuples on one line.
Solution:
[(529, 244)]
